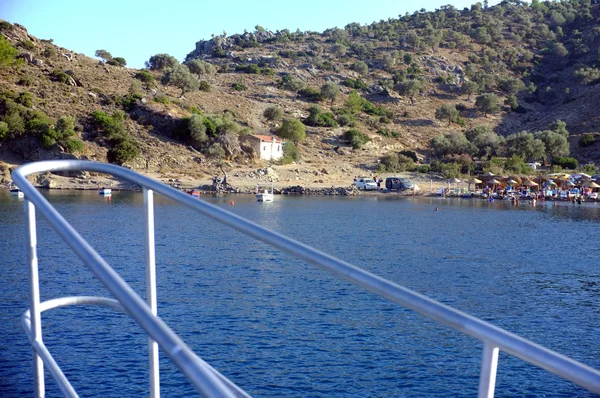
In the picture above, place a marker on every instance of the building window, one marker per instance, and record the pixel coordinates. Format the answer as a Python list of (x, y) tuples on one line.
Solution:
[(278, 148), (265, 148)]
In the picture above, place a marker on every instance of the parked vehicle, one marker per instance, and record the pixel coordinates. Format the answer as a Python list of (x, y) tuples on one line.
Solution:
[(398, 184), (367, 184)]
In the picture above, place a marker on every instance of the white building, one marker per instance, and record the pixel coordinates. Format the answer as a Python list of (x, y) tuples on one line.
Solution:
[(268, 147)]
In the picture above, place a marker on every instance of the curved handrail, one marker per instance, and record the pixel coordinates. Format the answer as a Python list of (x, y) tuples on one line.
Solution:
[(63, 383), (528, 351), (205, 378)]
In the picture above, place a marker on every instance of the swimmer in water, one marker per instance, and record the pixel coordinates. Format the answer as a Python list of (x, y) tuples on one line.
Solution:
[(437, 209)]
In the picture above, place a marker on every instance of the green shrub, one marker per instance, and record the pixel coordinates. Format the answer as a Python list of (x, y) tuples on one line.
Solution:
[(355, 138), (117, 61), (267, 72), (318, 118), (60, 76), (5, 26), (200, 67), (252, 69), (388, 133), (197, 131), (25, 99), (425, 168), (144, 76), (587, 139), (310, 94), (28, 45), (204, 86), (72, 146), (239, 85), (565, 162), (346, 120), (3, 130), (49, 52), (410, 154), (356, 84), (292, 129), (216, 151), (288, 82), (273, 113), (290, 154), (8, 53), (123, 152), (25, 81), (162, 99)]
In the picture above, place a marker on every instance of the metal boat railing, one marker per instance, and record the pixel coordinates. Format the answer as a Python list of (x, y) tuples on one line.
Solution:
[(206, 379)]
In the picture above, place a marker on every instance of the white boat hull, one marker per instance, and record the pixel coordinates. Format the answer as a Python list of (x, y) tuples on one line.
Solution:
[(104, 191), (264, 197), (17, 193)]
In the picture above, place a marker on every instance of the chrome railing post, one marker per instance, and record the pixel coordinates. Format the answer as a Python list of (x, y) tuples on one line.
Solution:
[(489, 366), (151, 290), (34, 296)]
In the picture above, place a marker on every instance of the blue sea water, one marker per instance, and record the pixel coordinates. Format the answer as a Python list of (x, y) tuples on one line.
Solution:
[(279, 327)]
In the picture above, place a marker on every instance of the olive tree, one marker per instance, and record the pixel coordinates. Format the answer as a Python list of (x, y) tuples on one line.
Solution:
[(329, 91), (447, 112), (292, 129), (181, 77), (161, 62), (487, 103)]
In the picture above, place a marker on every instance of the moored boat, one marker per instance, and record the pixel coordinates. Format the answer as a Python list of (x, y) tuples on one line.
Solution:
[(104, 191), (16, 192), (264, 194)]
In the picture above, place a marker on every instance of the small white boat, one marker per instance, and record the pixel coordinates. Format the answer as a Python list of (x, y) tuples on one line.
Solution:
[(104, 191), (16, 192), (263, 194)]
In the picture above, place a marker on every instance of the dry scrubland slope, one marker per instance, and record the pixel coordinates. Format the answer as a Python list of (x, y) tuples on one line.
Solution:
[(453, 55)]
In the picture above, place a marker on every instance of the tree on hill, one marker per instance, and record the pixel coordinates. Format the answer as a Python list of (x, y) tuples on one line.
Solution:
[(200, 67), (354, 102), (104, 55), (360, 67), (447, 112), (526, 146), (329, 91), (161, 62), (410, 88), (7, 53), (181, 77), (273, 113), (556, 144), (292, 129), (487, 103), (469, 88)]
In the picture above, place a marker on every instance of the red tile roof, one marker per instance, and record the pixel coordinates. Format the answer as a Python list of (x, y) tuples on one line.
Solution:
[(267, 138)]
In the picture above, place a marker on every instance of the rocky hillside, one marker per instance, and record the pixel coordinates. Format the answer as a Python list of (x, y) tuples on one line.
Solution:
[(362, 93)]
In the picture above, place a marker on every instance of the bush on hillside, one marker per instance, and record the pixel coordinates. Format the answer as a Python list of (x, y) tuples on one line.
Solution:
[(355, 138), (290, 154), (565, 162), (292, 129), (587, 139), (273, 113), (144, 76)]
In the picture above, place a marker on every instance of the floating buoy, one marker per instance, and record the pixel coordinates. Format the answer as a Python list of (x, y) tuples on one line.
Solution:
[(232, 203)]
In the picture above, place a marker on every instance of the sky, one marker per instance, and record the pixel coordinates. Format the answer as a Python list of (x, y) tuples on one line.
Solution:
[(138, 29)]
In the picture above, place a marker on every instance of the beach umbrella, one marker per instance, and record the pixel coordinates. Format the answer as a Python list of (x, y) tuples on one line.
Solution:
[(473, 180), (488, 174), (511, 182), (591, 184), (579, 176), (493, 181), (530, 184), (560, 175)]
